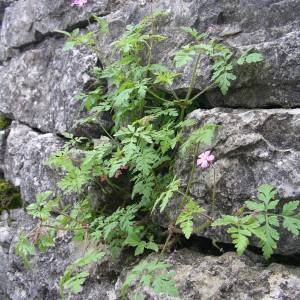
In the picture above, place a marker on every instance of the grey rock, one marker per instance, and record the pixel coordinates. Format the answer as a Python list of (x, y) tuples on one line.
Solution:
[(30, 21), (252, 147), (228, 277), (42, 279), (272, 28), (38, 87), (3, 5), (24, 165), (25, 155)]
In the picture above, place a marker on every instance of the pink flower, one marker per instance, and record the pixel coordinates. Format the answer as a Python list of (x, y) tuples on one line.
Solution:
[(205, 159), (78, 3)]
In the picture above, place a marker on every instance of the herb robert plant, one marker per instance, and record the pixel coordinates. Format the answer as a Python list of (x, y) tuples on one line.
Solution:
[(140, 149)]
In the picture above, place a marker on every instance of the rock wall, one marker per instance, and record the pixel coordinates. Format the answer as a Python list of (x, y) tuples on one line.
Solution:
[(258, 141)]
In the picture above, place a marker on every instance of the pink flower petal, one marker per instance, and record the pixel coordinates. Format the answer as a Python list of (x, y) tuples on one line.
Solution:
[(211, 157), (204, 165)]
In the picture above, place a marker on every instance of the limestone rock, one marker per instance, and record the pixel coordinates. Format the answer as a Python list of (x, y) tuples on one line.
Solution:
[(272, 28), (252, 147), (42, 279), (38, 87), (228, 277), (29, 21), (25, 155)]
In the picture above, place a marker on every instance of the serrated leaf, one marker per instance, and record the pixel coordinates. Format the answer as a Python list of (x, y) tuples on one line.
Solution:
[(152, 246), (138, 297), (187, 228), (140, 248), (88, 258), (273, 220), (255, 206), (184, 56), (292, 223), (270, 242), (74, 284), (225, 220), (202, 135), (290, 207), (254, 58), (166, 196), (240, 240), (272, 204), (163, 284), (266, 193)]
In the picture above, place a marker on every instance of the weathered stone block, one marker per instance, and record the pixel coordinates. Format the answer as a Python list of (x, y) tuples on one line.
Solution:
[(252, 147)]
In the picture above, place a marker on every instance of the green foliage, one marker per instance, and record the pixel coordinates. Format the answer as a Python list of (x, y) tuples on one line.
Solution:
[(24, 248), (73, 278), (166, 196), (262, 221), (203, 135), (136, 162), (42, 208), (119, 230), (4, 122), (10, 197), (151, 274), (250, 58), (186, 216)]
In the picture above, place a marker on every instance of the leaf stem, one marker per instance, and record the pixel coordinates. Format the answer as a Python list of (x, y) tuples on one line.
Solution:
[(193, 77)]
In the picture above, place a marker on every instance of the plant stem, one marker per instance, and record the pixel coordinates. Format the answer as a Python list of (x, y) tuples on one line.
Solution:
[(203, 91), (214, 195), (182, 204), (193, 77), (157, 96)]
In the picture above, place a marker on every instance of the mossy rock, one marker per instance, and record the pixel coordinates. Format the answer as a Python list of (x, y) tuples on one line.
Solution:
[(10, 197), (4, 122)]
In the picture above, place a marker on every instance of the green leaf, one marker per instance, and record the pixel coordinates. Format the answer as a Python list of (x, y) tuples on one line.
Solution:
[(255, 206), (186, 226), (163, 284), (250, 58), (292, 223), (203, 135), (194, 33), (140, 249), (24, 248), (88, 258), (166, 196), (185, 218), (184, 56), (74, 284), (103, 25), (226, 220), (290, 207), (266, 193), (270, 242), (224, 81), (152, 246), (240, 239), (138, 297)]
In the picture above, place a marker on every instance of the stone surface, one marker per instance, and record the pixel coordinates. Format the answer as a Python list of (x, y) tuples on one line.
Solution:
[(38, 87), (252, 147), (25, 155), (30, 21), (228, 277), (24, 165), (42, 279), (272, 28)]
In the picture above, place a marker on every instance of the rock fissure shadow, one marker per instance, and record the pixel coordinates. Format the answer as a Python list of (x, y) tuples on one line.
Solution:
[(208, 247)]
